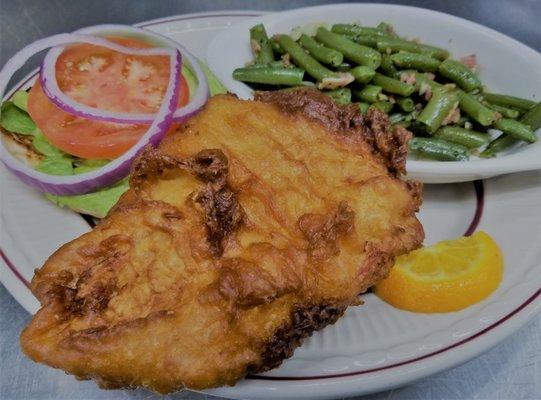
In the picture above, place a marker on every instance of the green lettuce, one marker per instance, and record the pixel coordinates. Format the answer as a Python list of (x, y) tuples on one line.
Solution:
[(16, 120), (96, 204), (55, 162), (20, 99), (56, 166), (215, 86), (42, 145)]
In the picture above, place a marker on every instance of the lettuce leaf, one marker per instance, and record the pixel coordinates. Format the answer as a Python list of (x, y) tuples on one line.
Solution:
[(15, 120), (215, 86), (20, 99), (42, 145), (54, 165), (96, 204), (96, 163)]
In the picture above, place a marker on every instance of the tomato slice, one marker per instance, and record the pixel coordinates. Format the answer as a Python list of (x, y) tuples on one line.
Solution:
[(108, 80), (184, 92)]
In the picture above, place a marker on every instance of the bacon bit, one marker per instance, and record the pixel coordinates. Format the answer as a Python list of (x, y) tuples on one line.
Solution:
[(339, 81), (256, 47), (470, 61), (453, 116), (286, 58), (430, 76), (408, 78)]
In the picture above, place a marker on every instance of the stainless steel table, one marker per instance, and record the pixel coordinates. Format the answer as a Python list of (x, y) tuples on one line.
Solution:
[(512, 370)]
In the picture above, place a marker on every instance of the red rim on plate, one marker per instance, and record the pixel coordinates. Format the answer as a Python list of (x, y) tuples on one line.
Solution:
[(479, 190)]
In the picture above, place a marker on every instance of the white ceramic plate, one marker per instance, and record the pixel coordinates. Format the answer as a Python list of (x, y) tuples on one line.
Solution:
[(506, 66), (373, 347)]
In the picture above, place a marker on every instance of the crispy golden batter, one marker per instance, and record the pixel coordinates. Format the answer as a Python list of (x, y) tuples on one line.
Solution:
[(255, 224)]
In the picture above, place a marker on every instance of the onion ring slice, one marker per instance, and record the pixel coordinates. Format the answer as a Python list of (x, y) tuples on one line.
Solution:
[(116, 169), (50, 86)]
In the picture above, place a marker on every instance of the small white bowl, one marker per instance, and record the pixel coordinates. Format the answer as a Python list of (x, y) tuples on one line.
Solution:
[(505, 66)]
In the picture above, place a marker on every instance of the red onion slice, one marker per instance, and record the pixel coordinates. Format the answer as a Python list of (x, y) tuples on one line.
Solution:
[(64, 102), (116, 169)]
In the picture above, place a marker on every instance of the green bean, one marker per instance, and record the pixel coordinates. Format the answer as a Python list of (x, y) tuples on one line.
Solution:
[(392, 85), (366, 40), (320, 52), (369, 94), (280, 64), (396, 118), (459, 74), (383, 106), (465, 137), (421, 80), (350, 37), (471, 106), (270, 76), (504, 111), (499, 144), (273, 64), (344, 67), (363, 107), (406, 104), (418, 61), (516, 129), (356, 30), (362, 73), (261, 45), (304, 60), (434, 51), (387, 66), (438, 149), (340, 96), (509, 101), (440, 105), (533, 117), (276, 47), (394, 45), (355, 52)]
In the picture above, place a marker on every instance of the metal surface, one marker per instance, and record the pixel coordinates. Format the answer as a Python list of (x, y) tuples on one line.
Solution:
[(512, 370)]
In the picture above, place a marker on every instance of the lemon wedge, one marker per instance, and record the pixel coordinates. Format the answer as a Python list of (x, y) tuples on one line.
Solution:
[(449, 276)]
